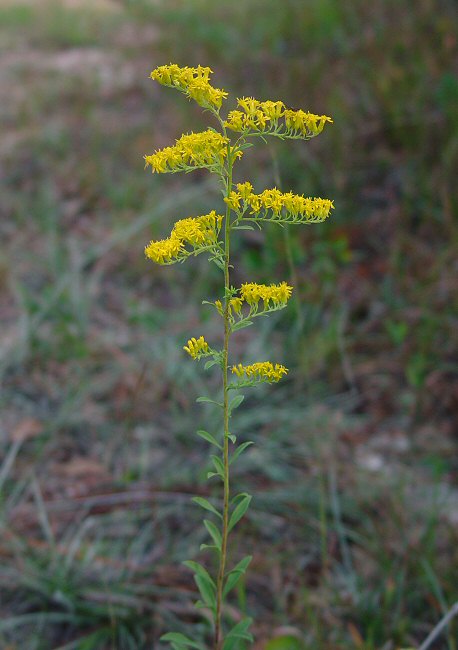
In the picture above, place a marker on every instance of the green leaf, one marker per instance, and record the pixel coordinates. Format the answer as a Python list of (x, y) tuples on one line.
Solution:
[(232, 437), (238, 497), (234, 576), (219, 263), (200, 571), (242, 566), (181, 639), (218, 463), (212, 474), (209, 438), (286, 642), (241, 448), (210, 364), (239, 511), (205, 588), (204, 547), (209, 401), (206, 505), (238, 399), (214, 533), (241, 325), (239, 631), (243, 228)]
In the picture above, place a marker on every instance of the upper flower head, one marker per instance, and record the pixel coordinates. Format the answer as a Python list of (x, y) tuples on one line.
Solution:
[(193, 82)]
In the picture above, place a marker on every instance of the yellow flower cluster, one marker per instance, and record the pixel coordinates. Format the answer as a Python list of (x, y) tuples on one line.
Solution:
[(252, 293), (196, 231), (194, 82), (197, 347), (265, 117), (300, 208), (203, 149), (262, 371)]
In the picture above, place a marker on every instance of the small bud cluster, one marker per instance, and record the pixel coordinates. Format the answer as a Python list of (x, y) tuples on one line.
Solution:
[(193, 82), (197, 347), (274, 118)]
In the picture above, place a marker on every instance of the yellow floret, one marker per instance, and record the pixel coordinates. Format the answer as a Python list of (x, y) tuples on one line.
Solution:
[(164, 251), (203, 149), (261, 371), (252, 293), (196, 231), (233, 200), (197, 347), (273, 110), (236, 304), (245, 189), (194, 82), (236, 121)]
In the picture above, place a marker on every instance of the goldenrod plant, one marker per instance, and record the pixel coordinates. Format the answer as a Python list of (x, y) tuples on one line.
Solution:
[(217, 150)]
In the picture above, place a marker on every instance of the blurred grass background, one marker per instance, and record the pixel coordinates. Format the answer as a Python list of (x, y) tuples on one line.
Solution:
[(354, 527)]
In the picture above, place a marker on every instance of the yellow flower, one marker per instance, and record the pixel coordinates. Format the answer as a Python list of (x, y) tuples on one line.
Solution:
[(273, 110), (236, 304), (255, 203), (252, 293), (189, 230), (197, 347), (249, 105), (194, 82), (196, 231), (261, 371), (203, 149), (302, 209), (236, 121), (245, 189), (233, 200), (272, 199), (307, 124), (164, 251)]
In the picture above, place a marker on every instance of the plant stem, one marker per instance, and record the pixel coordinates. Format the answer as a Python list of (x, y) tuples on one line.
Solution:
[(224, 533)]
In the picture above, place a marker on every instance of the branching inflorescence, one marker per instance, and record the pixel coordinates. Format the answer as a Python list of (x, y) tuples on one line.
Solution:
[(218, 151)]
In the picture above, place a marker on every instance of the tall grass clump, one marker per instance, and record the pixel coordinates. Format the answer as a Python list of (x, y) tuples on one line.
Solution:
[(218, 150)]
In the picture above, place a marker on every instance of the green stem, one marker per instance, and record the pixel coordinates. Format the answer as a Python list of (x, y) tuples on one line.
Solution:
[(224, 534)]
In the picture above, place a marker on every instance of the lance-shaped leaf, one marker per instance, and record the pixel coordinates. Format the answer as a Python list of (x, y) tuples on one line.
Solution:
[(239, 631), (235, 574), (181, 641), (207, 400), (206, 505), (241, 448), (238, 399), (214, 533), (209, 437), (239, 511), (218, 463)]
